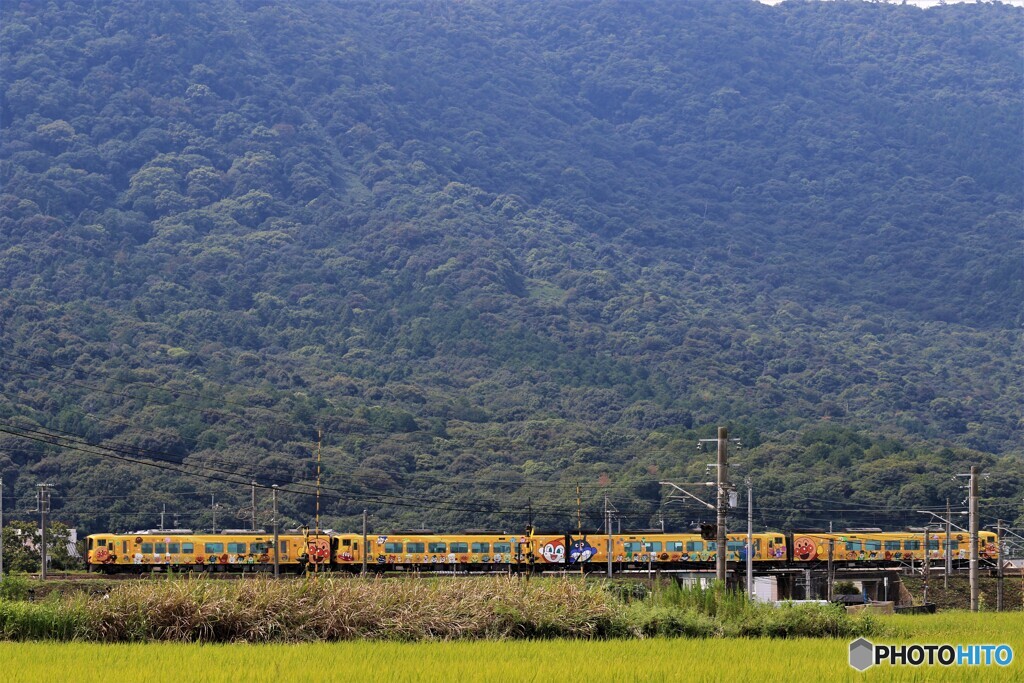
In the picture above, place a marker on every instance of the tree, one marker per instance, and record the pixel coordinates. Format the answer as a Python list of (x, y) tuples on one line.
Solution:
[(21, 541)]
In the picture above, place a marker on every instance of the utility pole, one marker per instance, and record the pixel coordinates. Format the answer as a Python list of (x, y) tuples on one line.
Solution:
[(213, 507), (831, 567), (579, 515), (974, 537), (254, 505), (607, 529), (949, 552), (722, 503), (750, 537), (163, 511), (43, 501), (926, 566), (277, 546), (999, 566), (365, 549)]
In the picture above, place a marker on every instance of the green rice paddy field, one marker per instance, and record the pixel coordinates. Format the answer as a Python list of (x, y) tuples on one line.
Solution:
[(656, 659)]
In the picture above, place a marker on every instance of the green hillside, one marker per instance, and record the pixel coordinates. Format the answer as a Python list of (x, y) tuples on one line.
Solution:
[(493, 250)]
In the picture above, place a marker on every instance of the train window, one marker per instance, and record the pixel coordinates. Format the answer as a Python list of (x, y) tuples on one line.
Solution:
[(284, 547), (481, 548), (346, 542), (259, 548), (653, 546), (736, 546), (187, 548), (161, 548), (954, 545), (892, 545), (438, 547), (460, 547), (174, 548), (872, 545), (147, 548), (124, 547), (392, 548), (102, 542), (236, 548), (933, 545), (414, 547), (712, 545), (631, 546), (779, 540), (674, 546), (694, 546), (212, 548), (854, 545), (911, 545), (502, 547)]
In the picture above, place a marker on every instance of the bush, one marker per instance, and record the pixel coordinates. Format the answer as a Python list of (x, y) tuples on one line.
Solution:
[(14, 587)]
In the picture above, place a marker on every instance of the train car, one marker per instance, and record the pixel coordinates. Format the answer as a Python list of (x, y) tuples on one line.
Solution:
[(347, 552), (875, 547), (679, 549), (185, 550), (423, 550), (640, 549), (546, 550)]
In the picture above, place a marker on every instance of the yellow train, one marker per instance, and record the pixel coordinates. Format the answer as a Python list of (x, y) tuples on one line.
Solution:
[(638, 549), (888, 546), (225, 551), (491, 551), (425, 550)]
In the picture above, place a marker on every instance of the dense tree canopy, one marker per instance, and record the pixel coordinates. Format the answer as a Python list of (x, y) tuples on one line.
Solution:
[(496, 249)]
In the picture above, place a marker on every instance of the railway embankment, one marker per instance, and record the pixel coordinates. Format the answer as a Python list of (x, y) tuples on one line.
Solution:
[(958, 595)]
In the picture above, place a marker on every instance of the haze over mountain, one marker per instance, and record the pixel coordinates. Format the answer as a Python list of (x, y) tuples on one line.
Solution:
[(496, 249)]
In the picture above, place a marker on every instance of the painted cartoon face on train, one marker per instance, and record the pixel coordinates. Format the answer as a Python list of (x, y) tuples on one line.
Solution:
[(554, 551), (804, 548), (581, 551)]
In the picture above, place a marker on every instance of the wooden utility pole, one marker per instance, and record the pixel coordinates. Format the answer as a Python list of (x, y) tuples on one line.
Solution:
[(750, 537), (365, 549), (949, 552), (277, 546), (579, 514), (608, 530), (43, 499), (831, 567), (722, 503), (254, 505), (999, 565), (974, 537), (926, 566)]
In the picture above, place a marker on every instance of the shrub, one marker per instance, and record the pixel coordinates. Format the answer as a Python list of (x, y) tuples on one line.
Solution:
[(14, 587)]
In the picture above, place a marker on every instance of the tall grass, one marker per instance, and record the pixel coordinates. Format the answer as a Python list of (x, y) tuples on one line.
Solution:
[(200, 610), (696, 611), (332, 609)]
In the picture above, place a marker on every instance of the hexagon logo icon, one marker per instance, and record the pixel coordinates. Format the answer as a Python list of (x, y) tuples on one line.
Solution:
[(862, 654)]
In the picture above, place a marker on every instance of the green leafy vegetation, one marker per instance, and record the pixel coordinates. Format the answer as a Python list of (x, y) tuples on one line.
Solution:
[(496, 249)]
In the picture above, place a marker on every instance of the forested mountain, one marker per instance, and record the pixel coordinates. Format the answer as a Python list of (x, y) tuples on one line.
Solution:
[(496, 249)]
